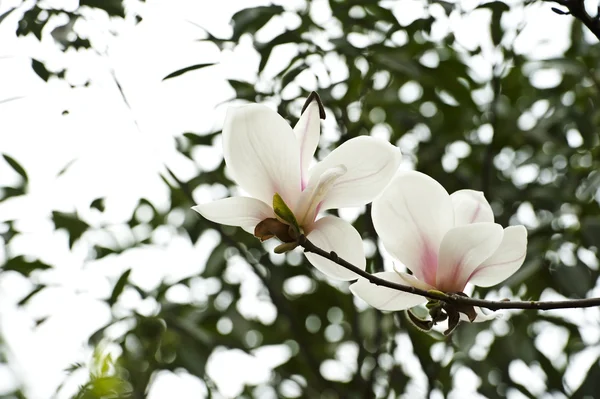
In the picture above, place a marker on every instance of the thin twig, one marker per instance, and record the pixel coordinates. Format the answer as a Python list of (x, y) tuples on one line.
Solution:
[(115, 79), (577, 10), (450, 298)]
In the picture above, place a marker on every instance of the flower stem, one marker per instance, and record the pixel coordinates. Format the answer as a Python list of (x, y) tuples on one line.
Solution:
[(449, 298)]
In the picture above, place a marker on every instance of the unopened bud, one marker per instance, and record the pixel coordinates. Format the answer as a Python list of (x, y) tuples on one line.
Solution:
[(285, 247)]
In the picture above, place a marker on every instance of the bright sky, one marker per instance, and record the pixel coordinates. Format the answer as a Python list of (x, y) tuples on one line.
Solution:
[(118, 153)]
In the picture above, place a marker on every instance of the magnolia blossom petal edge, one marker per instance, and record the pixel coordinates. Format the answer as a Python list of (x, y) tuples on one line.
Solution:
[(463, 249), (470, 206), (411, 217), (315, 192), (507, 259), (244, 212), (261, 152), (371, 163), (384, 298), (334, 234), (308, 131)]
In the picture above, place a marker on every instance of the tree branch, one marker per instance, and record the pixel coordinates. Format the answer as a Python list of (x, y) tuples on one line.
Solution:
[(577, 9), (450, 298)]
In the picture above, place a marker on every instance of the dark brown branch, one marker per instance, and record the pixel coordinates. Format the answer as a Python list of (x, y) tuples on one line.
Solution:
[(577, 9), (450, 298)]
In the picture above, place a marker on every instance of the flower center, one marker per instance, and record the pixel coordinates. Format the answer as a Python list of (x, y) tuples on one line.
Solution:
[(287, 224), (314, 194)]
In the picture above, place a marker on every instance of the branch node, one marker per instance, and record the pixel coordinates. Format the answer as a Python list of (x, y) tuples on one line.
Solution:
[(302, 241), (334, 257)]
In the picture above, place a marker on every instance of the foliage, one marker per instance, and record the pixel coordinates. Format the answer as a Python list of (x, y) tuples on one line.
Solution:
[(107, 380), (531, 147)]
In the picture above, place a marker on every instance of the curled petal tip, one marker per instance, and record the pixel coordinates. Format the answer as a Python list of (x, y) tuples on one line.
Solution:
[(313, 96)]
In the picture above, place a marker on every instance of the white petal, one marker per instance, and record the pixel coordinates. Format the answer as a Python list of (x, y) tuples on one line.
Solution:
[(371, 163), (334, 234), (384, 298), (411, 217), (507, 259), (481, 316), (236, 211), (262, 153), (311, 197), (308, 131), (463, 249), (470, 206)]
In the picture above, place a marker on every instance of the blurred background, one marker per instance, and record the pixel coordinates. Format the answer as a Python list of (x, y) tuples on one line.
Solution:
[(110, 119)]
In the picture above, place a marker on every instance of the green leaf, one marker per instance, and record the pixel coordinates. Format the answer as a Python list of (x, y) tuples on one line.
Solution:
[(205, 139), (497, 8), (590, 230), (448, 6), (70, 222), (101, 252), (114, 8), (98, 204), (16, 166), (283, 211), (216, 262), (251, 20), (6, 14), (66, 167), (119, 286), (291, 75), (21, 265), (74, 367), (265, 49), (31, 295), (98, 335), (185, 70), (589, 386), (574, 280), (40, 69), (243, 90), (8, 192)]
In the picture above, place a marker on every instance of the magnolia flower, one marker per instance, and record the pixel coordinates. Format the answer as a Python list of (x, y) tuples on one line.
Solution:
[(446, 241), (271, 162)]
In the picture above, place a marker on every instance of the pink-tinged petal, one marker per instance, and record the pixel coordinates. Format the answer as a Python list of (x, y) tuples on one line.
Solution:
[(311, 197), (308, 131), (384, 298), (370, 162), (261, 153), (470, 206), (411, 217), (236, 211), (463, 249), (481, 316), (507, 259), (334, 234), (409, 279)]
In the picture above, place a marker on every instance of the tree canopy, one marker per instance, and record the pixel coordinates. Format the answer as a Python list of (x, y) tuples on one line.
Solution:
[(520, 127)]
